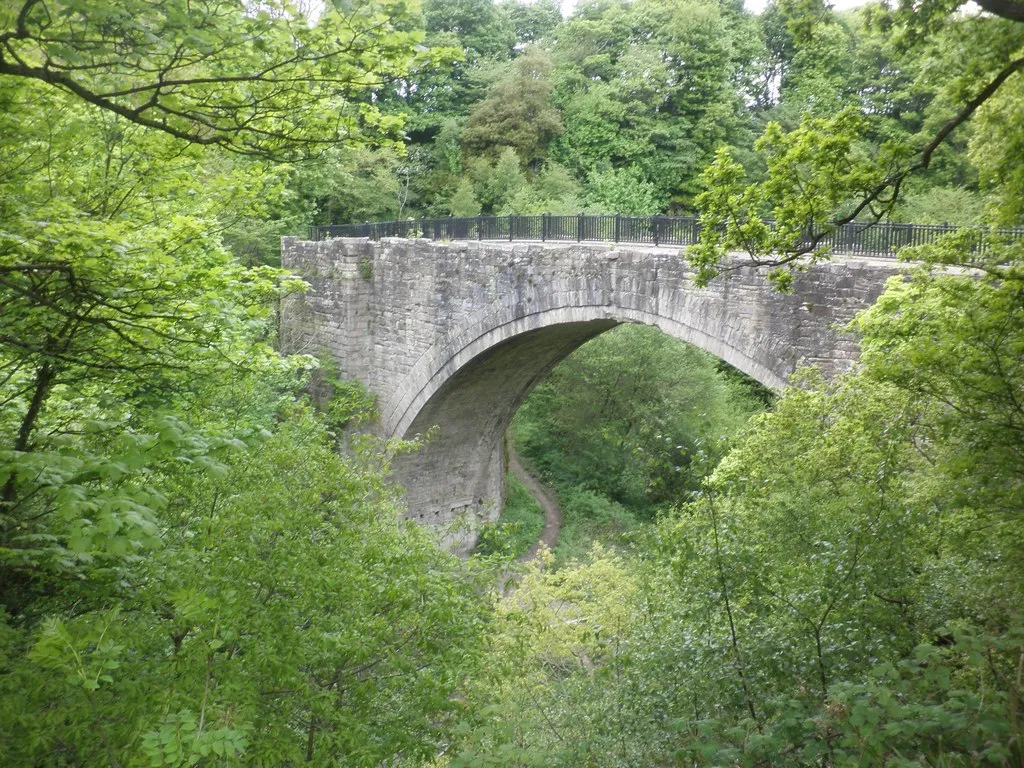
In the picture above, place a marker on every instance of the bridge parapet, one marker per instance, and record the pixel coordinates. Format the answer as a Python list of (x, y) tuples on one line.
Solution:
[(876, 240)]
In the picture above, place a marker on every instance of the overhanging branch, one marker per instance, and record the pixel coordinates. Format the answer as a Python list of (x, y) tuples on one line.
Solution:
[(894, 182)]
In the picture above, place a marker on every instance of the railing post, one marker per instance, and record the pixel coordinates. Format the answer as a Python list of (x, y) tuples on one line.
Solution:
[(479, 231), (618, 226), (510, 227), (543, 227), (579, 228), (654, 228)]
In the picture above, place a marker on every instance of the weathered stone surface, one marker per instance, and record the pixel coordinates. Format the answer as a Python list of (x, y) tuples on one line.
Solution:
[(455, 335)]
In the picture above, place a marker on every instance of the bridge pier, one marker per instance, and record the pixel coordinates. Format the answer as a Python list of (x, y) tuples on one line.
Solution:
[(452, 337)]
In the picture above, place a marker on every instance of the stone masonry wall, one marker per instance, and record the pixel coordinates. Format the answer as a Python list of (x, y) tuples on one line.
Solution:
[(454, 335)]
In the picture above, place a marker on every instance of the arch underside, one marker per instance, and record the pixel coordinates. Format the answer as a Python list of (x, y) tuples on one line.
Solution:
[(456, 482)]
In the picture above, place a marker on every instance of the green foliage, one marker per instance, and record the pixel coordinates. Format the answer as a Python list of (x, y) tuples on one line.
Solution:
[(553, 190), (594, 132), (623, 191), (623, 428), (366, 269), (481, 27), (199, 568), (634, 415), (117, 302), (448, 146), (942, 205), (820, 600), (856, 163), (262, 82), (995, 149), (471, 36), (812, 172), (517, 112), (651, 91), (519, 527), (464, 202), (647, 90), (844, 589), (235, 638), (591, 517), (955, 340), (532, 22), (820, 75), (190, 571), (496, 186)]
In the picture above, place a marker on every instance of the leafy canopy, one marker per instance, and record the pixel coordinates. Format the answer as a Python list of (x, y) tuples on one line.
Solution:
[(258, 79)]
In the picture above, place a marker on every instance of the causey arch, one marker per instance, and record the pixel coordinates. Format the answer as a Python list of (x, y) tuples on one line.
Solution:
[(452, 337)]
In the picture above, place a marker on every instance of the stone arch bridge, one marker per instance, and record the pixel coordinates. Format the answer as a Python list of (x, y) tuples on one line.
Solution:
[(455, 334)]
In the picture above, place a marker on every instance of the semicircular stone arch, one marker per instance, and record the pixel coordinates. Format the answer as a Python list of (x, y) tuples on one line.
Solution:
[(446, 358), (452, 336)]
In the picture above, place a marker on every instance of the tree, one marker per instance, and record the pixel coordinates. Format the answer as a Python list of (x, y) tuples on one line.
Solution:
[(474, 37), (994, 148), (653, 86), (260, 631), (260, 82), (774, 58), (464, 202), (844, 586), (925, 204), (532, 21), (593, 38), (517, 113), (481, 27), (974, 327), (628, 416), (594, 131), (448, 146), (178, 532), (497, 184), (821, 175), (111, 316), (553, 190), (623, 191)]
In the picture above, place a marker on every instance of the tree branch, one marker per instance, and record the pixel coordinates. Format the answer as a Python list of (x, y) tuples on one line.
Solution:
[(1007, 9), (894, 182)]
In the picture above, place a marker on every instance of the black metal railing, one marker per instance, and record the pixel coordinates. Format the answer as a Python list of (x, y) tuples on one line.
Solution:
[(879, 239)]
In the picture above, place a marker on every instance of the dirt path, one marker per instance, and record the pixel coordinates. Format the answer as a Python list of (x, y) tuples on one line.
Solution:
[(546, 499)]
